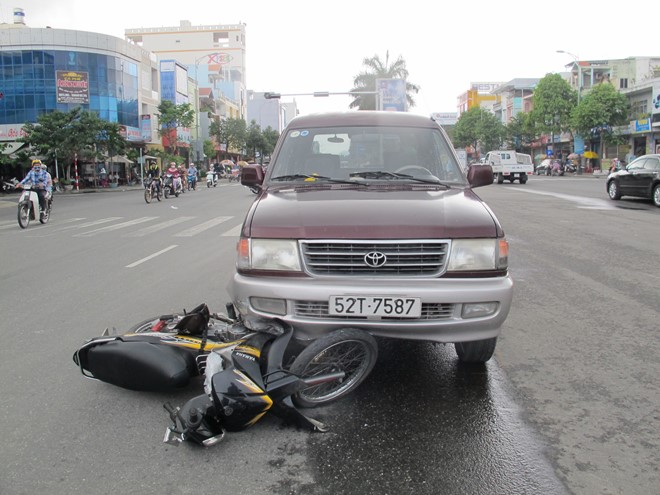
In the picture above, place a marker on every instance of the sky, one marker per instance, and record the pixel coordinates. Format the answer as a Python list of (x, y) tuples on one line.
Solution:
[(305, 47)]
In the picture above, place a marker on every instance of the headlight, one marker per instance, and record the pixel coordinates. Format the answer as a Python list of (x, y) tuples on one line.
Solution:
[(268, 254), (478, 254)]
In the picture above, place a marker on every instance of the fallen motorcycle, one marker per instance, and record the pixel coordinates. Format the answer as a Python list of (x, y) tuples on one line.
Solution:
[(248, 371)]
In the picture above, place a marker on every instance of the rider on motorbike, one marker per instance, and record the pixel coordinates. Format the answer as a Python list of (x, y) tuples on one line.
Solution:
[(192, 174), (41, 181), (154, 172), (174, 172)]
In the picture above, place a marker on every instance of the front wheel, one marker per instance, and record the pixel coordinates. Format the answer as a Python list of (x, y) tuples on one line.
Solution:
[(349, 350), (24, 215), (613, 190), (477, 351), (147, 194), (500, 179), (167, 192)]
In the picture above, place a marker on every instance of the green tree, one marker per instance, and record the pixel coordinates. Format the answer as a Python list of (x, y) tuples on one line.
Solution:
[(171, 117), (599, 111), (375, 68), (254, 139), (521, 131), (65, 135), (209, 149), (230, 132), (270, 140), (554, 101), (480, 129)]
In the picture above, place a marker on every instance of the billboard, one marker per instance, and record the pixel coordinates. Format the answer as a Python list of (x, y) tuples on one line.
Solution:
[(72, 87), (392, 95)]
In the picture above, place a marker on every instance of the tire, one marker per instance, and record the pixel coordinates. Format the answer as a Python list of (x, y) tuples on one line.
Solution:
[(477, 351), (24, 215), (500, 179), (159, 195), (523, 179), (43, 218), (613, 190), (656, 195), (147, 194), (350, 350), (166, 192)]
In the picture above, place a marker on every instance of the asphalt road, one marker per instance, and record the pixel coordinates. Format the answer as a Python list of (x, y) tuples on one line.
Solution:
[(569, 404)]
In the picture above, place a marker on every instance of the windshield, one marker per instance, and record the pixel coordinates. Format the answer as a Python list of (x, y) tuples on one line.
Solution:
[(366, 153)]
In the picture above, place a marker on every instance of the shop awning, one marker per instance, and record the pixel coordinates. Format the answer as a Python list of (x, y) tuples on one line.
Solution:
[(12, 147)]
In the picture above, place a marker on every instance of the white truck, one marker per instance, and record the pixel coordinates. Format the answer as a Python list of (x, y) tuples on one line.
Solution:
[(510, 165)]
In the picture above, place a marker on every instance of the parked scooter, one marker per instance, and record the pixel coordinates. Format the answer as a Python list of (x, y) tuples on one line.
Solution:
[(9, 186), (211, 179), (28, 207)]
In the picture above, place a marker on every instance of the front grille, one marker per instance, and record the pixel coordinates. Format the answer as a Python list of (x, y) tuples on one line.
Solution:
[(348, 258), (319, 309)]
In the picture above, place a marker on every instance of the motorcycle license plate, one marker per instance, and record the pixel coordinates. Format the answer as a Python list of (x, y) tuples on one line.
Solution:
[(376, 306)]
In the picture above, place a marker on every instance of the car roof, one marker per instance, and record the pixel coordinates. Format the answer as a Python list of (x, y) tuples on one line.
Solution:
[(362, 118)]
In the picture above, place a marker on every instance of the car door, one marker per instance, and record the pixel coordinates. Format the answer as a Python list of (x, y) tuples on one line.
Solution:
[(630, 179)]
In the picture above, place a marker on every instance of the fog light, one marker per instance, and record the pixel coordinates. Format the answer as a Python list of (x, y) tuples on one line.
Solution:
[(479, 310), (269, 305)]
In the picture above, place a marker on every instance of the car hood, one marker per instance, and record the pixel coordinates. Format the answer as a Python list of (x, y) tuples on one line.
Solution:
[(369, 214)]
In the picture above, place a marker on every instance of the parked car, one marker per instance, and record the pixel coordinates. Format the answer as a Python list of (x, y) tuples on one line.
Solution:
[(367, 220), (640, 178)]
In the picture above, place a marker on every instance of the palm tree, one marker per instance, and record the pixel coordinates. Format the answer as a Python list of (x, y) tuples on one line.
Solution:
[(365, 81)]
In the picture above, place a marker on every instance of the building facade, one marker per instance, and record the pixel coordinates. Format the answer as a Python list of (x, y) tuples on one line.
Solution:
[(44, 69)]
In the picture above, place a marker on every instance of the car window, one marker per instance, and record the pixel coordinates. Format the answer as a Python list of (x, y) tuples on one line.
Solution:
[(339, 151), (637, 164), (652, 164)]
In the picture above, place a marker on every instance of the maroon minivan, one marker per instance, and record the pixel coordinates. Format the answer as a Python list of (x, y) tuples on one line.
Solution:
[(367, 220)]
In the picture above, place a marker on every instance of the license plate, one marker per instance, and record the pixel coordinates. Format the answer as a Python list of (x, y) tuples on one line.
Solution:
[(406, 307)]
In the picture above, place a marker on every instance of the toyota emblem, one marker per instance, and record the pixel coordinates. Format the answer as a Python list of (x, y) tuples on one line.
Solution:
[(375, 259)]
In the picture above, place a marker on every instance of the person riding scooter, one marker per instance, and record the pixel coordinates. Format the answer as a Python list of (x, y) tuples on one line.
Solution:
[(41, 182), (176, 179)]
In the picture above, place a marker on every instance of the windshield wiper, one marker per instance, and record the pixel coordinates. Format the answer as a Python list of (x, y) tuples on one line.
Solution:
[(384, 174), (310, 178)]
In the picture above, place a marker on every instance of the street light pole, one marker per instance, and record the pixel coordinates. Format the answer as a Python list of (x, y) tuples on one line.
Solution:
[(577, 62)]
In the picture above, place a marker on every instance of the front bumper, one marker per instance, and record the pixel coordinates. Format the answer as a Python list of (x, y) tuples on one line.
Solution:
[(306, 303)]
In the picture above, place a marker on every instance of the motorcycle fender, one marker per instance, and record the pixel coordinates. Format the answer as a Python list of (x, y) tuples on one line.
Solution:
[(141, 365)]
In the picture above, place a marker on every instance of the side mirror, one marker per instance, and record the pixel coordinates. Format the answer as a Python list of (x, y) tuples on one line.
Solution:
[(252, 175), (480, 175)]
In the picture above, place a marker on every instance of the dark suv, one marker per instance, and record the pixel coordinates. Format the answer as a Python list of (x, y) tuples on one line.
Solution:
[(367, 220)]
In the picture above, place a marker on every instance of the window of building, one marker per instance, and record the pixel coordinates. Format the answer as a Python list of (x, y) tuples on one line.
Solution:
[(623, 83)]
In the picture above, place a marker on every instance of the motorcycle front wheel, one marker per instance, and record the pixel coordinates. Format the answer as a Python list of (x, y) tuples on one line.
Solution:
[(167, 192), (349, 350), (147, 194), (24, 215)]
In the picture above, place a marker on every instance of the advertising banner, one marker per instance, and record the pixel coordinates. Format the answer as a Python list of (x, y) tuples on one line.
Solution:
[(72, 87), (392, 95)]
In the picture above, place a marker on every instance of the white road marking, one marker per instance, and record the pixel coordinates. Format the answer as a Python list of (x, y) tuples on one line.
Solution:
[(151, 256), (582, 202), (235, 232), (115, 227), (159, 226), (202, 227)]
